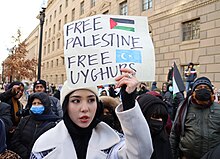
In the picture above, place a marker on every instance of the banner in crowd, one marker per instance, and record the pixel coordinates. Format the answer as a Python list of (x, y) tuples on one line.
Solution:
[(95, 48)]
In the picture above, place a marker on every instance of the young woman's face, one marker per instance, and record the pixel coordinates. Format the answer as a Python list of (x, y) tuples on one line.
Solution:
[(82, 107)]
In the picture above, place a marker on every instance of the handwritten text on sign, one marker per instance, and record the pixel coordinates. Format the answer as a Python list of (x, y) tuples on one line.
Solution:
[(97, 47)]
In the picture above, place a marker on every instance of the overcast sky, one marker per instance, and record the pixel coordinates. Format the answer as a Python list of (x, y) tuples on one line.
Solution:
[(14, 15)]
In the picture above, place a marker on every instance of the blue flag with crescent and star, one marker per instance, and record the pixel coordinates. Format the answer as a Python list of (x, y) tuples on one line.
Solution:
[(128, 56)]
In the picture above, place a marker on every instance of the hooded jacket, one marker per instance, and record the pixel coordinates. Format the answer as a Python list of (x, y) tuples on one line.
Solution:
[(32, 126), (104, 141)]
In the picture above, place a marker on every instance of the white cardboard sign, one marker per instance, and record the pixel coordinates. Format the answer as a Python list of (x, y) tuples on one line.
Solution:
[(95, 48)]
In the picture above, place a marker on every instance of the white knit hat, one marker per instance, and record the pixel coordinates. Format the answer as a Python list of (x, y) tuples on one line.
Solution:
[(66, 89)]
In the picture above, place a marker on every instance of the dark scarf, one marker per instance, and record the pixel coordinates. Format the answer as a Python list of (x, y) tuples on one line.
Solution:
[(80, 136), (50, 116)]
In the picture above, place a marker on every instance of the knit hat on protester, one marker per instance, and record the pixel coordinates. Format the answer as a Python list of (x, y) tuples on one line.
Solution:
[(40, 82), (202, 80), (67, 89), (149, 104)]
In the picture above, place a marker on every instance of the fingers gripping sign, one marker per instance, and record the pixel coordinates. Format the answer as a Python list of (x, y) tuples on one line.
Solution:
[(127, 78)]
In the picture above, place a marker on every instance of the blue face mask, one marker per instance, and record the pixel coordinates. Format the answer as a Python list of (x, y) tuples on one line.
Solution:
[(37, 109), (171, 89)]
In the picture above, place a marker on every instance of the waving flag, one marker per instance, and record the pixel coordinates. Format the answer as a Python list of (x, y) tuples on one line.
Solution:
[(178, 84), (122, 24), (128, 56)]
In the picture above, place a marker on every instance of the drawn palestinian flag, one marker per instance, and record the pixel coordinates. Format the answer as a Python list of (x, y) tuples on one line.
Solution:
[(122, 24), (178, 84)]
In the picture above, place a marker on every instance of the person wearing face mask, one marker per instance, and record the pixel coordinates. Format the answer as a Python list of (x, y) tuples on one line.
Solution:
[(81, 134), (156, 114), (30, 127), (195, 130)]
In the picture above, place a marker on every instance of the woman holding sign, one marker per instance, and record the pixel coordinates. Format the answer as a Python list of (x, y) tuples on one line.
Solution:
[(81, 135)]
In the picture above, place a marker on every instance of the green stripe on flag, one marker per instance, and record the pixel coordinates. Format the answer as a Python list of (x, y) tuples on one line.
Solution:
[(124, 28)]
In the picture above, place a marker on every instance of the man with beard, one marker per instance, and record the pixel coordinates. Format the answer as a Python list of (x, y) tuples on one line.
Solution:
[(196, 127)]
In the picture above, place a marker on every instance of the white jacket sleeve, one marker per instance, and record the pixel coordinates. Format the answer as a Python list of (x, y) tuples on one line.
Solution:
[(138, 143)]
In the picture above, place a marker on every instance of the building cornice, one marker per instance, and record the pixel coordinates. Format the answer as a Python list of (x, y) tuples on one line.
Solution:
[(180, 9)]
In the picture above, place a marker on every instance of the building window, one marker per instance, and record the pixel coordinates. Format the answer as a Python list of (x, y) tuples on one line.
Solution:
[(66, 3), (73, 14), (48, 48), (124, 8), (191, 29), (45, 50), (46, 21), (54, 28), (52, 64), (53, 45), (62, 78), (50, 18), (58, 43), (92, 3), (65, 19), (61, 8), (147, 4), (49, 32), (55, 14), (47, 64), (57, 62), (59, 25), (82, 8)]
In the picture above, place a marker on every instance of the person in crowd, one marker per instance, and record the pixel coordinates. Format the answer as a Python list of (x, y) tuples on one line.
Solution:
[(190, 75), (196, 127), (57, 93), (16, 105), (142, 89), (170, 74), (5, 96), (155, 112), (112, 92), (40, 120), (103, 93), (164, 89), (154, 86), (52, 88), (40, 86), (4, 152), (172, 101), (5, 115), (109, 116), (81, 134)]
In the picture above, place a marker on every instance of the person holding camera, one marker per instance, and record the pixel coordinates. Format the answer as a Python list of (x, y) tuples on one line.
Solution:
[(11, 97)]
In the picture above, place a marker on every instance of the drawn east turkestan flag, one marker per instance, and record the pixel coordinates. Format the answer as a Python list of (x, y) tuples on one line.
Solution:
[(128, 56), (122, 24), (178, 84)]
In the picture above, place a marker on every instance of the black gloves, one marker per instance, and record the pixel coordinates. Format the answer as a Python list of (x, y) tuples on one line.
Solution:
[(128, 100)]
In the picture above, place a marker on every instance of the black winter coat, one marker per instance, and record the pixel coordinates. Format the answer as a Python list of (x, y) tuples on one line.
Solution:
[(5, 115), (32, 126)]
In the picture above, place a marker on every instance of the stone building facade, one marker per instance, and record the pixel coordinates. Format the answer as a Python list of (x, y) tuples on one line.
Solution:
[(182, 31)]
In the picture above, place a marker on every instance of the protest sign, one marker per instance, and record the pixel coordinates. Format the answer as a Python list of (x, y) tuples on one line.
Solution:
[(95, 48)]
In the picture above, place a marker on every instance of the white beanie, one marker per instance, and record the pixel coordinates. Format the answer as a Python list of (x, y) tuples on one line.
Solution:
[(66, 89)]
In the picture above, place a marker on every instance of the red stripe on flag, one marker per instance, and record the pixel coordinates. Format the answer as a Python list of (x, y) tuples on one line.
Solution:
[(112, 23)]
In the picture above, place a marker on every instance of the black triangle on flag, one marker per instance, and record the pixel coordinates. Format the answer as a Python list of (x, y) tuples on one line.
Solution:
[(178, 84)]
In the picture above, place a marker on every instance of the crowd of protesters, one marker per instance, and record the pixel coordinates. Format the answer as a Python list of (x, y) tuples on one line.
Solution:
[(129, 119)]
